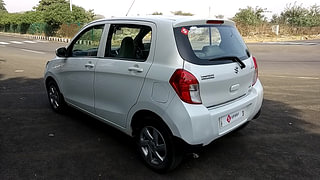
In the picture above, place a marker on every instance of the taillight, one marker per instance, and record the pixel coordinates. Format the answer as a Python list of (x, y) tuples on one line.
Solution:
[(186, 86), (255, 77)]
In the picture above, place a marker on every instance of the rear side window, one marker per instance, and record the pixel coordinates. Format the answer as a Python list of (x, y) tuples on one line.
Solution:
[(129, 42), (202, 44)]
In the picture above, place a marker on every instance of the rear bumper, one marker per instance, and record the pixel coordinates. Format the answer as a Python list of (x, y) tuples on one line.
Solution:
[(196, 124), (257, 115)]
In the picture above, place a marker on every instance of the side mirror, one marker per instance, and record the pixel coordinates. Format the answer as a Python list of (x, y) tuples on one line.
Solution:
[(61, 52)]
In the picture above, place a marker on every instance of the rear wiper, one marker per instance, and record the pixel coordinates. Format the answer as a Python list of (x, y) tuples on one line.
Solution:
[(233, 58)]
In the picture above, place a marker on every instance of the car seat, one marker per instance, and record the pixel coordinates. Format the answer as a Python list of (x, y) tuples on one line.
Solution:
[(126, 48)]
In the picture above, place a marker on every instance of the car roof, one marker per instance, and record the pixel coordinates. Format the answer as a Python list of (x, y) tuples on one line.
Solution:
[(175, 21)]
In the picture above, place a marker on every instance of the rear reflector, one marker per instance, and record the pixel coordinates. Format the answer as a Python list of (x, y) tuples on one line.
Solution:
[(255, 77), (215, 22)]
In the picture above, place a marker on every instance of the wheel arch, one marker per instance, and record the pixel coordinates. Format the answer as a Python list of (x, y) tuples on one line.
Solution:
[(175, 145), (51, 78), (139, 118), (48, 79)]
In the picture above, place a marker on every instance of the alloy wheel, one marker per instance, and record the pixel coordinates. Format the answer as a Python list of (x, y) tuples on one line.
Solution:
[(54, 97), (153, 146)]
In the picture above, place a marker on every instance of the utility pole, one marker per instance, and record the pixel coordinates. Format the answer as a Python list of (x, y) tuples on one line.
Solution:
[(70, 1)]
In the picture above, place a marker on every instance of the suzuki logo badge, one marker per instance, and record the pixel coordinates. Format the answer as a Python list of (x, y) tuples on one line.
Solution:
[(236, 70)]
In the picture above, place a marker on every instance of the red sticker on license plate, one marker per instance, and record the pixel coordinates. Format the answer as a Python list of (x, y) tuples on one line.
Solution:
[(228, 119)]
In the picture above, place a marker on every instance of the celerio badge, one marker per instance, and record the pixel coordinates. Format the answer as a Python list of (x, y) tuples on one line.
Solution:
[(206, 77)]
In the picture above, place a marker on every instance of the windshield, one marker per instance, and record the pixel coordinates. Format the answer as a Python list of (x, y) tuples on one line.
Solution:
[(201, 44)]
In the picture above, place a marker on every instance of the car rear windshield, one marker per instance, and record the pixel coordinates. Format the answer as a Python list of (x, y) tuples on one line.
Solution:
[(209, 44)]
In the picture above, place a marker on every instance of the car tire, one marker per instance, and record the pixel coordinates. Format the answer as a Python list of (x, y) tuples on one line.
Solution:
[(156, 146), (55, 97)]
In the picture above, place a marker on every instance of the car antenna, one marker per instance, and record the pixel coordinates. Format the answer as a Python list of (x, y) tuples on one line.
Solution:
[(130, 7)]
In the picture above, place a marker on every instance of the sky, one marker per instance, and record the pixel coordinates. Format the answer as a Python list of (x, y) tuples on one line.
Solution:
[(202, 8)]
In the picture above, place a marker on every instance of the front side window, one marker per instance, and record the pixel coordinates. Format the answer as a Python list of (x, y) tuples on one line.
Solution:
[(87, 44), (128, 42)]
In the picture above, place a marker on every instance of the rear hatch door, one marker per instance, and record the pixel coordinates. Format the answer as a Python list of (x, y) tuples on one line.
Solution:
[(218, 57)]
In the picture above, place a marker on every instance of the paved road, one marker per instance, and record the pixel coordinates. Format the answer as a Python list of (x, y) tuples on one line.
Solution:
[(36, 143), (17, 54), (295, 59)]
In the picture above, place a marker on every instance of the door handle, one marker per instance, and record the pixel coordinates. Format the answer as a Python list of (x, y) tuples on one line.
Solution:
[(136, 69), (89, 65)]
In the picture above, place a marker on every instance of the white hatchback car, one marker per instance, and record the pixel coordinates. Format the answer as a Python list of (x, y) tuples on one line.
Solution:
[(167, 81)]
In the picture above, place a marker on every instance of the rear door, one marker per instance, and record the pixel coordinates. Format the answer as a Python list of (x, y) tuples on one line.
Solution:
[(218, 57), (119, 76)]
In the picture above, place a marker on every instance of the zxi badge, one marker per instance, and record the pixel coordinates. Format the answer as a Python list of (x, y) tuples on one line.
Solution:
[(236, 70)]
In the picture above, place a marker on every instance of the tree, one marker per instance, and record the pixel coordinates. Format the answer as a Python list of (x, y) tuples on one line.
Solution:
[(56, 13), (4, 21), (44, 4), (180, 13), (314, 10), (157, 13), (29, 18), (297, 15), (220, 16), (60, 13), (314, 14), (276, 19), (98, 16), (52, 13), (11, 21), (2, 8), (250, 16)]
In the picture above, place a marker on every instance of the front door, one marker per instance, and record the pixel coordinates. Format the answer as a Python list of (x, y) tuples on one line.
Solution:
[(78, 68)]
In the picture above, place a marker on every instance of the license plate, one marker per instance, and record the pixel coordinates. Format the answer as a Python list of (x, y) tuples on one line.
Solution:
[(229, 118)]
